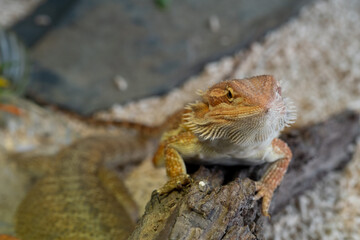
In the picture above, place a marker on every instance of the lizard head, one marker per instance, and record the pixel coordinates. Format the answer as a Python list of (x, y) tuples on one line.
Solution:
[(241, 110)]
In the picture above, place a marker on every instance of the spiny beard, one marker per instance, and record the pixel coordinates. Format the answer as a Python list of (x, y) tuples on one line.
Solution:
[(245, 130)]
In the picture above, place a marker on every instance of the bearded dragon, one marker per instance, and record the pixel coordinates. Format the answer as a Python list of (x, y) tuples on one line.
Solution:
[(77, 196), (237, 122)]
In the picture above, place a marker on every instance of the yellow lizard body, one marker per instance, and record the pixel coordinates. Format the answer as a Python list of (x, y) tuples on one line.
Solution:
[(237, 122), (77, 196)]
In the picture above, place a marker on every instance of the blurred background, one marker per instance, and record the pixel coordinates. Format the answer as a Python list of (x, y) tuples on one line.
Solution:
[(89, 54), (142, 60)]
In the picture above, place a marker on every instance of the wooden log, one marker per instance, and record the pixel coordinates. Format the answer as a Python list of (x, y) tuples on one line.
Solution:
[(219, 203)]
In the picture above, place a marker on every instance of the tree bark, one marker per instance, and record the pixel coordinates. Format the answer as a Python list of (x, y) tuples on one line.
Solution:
[(218, 204)]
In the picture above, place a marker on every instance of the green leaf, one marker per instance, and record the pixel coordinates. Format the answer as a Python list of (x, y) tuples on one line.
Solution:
[(162, 3)]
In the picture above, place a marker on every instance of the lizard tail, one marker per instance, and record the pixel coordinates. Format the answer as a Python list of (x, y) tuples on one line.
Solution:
[(149, 131)]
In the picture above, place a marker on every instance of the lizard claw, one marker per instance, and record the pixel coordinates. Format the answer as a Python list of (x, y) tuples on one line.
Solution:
[(174, 183), (265, 192), (155, 195)]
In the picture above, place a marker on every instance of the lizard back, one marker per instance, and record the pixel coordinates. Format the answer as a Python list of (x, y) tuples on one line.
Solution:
[(79, 197)]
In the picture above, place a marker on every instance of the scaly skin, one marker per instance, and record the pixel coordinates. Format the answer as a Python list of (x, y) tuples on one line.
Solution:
[(77, 196), (237, 122)]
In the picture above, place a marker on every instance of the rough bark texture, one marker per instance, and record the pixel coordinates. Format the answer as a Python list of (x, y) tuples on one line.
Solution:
[(219, 205)]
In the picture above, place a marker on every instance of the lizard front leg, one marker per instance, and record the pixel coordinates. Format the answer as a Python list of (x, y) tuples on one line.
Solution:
[(170, 152), (274, 174)]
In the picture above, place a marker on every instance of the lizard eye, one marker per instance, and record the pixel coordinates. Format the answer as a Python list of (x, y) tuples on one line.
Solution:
[(230, 94)]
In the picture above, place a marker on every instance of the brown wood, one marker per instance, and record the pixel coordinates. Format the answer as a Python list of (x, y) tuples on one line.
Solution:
[(219, 205)]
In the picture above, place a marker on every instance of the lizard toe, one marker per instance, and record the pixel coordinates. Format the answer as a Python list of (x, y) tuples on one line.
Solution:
[(265, 192), (155, 195), (183, 180), (177, 182)]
